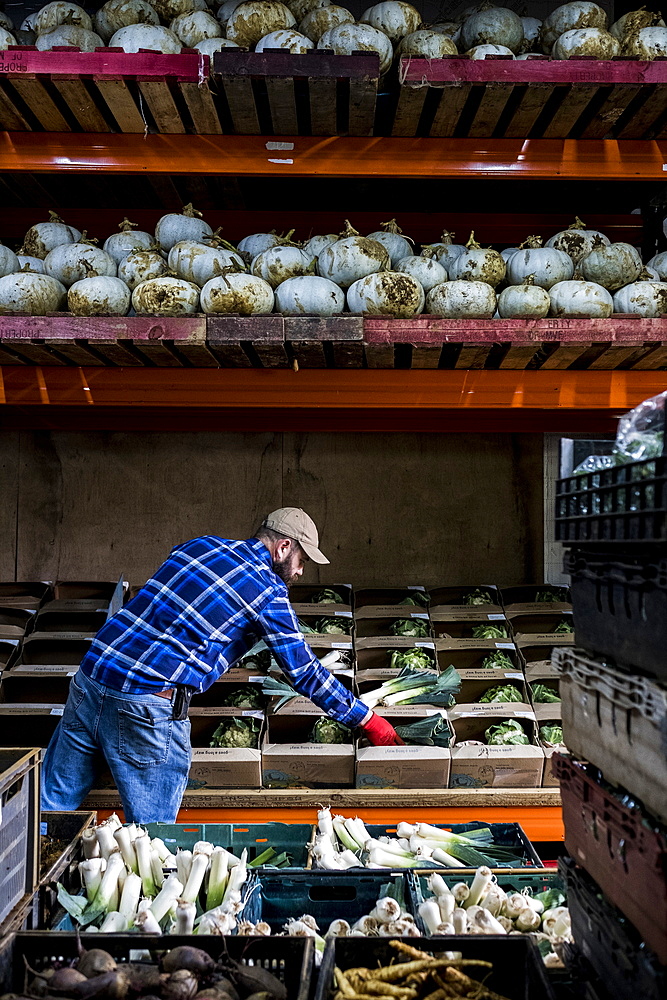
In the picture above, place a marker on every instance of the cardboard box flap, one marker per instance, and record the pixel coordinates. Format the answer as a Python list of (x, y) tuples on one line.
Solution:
[(475, 615), (545, 639), (548, 713), (492, 675), (391, 611), (490, 644), (326, 642), (393, 642), (227, 713), (31, 708), (309, 749), (491, 712), (382, 754), (541, 670), (217, 754), (21, 669), (321, 610), (410, 711)]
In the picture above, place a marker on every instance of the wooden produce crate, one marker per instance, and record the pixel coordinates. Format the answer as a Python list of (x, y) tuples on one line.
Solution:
[(314, 93), (535, 98), (108, 90)]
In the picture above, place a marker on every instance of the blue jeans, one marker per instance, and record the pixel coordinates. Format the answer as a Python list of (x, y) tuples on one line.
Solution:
[(147, 751)]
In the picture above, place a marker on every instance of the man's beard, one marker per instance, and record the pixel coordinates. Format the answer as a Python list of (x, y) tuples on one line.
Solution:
[(282, 569)]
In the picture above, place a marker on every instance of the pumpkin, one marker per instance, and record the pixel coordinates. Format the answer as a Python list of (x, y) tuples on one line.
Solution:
[(647, 43), (482, 51), (27, 263), (280, 263), (634, 21), (198, 263), (141, 265), (389, 293), (317, 22), (445, 251), (612, 266), (462, 300), (194, 27), (580, 299), (169, 9), (6, 21), (531, 34), (119, 245), (189, 225), (577, 241), (75, 261), (316, 244), (452, 29), (349, 38), (396, 245), (225, 11), (60, 12), (309, 294), (293, 41), (476, 264), (546, 264), (642, 298), (568, 17), (99, 297), (394, 18), (352, 257), (585, 42), (245, 294), (300, 8), (254, 19), (145, 36), (45, 236), (427, 271), (659, 264), (427, 45), (9, 262), (165, 296), (250, 246), (210, 45), (34, 294), (496, 26), (117, 14), (69, 35), (526, 300)]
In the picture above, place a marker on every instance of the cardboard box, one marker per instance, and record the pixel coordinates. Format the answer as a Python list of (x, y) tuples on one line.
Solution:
[(301, 598), (452, 599), (8, 652), (220, 767), (537, 661), (14, 622), (522, 600), (475, 683), (84, 621), (481, 646), (379, 623), (28, 596), (527, 625), (491, 766), (344, 617), (462, 626), (471, 657), (377, 598), (215, 695), (406, 766), (290, 760), (546, 714), (84, 590), (39, 720), (375, 654), (42, 669)]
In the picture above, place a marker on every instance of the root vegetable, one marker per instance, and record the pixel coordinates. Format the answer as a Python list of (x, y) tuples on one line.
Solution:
[(95, 962)]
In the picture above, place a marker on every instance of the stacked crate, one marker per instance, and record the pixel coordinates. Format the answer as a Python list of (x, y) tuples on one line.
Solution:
[(614, 709)]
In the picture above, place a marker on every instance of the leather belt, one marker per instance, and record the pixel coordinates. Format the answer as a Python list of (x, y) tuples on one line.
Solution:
[(165, 694)]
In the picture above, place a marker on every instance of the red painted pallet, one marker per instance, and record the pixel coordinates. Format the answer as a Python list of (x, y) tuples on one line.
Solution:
[(536, 98), (108, 90)]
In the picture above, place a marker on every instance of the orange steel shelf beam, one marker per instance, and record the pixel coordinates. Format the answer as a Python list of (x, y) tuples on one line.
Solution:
[(337, 156)]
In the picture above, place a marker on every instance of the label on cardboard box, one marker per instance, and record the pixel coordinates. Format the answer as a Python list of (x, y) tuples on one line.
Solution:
[(466, 615), (336, 641), (392, 611), (228, 712), (390, 642), (301, 609), (30, 708), (545, 639), (492, 675), (492, 711), (482, 644), (538, 608), (31, 669)]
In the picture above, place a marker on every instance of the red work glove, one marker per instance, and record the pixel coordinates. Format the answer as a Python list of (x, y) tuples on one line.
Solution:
[(380, 733)]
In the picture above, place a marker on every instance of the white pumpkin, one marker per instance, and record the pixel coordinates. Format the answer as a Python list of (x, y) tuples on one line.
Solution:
[(169, 9), (648, 43), (189, 225), (75, 261), (7, 39), (253, 19), (198, 263), (634, 21), (531, 55), (568, 17), (34, 294), (462, 300), (300, 8), (165, 296), (580, 299), (99, 297), (69, 35), (390, 293), (33, 264), (445, 251), (45, 236), (117, 14), (659, 264), (482, 51), (584, 42), (317, 22), (351, 258), (452, 29), (425, 270), (546, 264), (309, 294), (427, 45), (612, 266), (476, 264), (497, 26), (145, 36), (523, 301), (394, 18), (349, 38), (577, 241), (280, 263), (293, 41), (194, 27), (316, 244), (60, 12), (209, 46), (245, 294), (225, 11), (643, 298), (9, 262), (396, 245), (250, 246), (531, 34), (508, 252), (6, 21), (119, 245), (141, 265), (28, 24)]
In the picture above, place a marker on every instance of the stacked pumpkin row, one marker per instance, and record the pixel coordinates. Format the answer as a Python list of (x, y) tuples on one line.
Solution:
[(392, 28), (184, 268)]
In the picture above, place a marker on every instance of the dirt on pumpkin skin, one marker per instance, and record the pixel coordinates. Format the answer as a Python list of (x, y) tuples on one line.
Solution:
[(248, 31), (162, 300)]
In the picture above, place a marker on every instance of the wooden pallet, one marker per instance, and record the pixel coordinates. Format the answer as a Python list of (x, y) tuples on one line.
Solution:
[(346, 341), (535, 98)]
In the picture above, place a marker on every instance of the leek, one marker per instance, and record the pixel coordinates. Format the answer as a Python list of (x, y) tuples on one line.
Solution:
[(127, 849), (142, 847), (129, 898), (433, 731), (166, 898), (273, 687)]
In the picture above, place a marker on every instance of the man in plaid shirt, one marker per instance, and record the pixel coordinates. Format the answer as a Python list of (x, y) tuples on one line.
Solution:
[(206, 605)]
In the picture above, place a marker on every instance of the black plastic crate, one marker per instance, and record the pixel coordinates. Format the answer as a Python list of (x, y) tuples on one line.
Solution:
[(19, 825), (518, 971), (619, 601), (627, 968), (627, 503), (504, 834), (288, 958)]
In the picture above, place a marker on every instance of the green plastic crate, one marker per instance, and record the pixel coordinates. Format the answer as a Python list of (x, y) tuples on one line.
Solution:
[(292, 838)]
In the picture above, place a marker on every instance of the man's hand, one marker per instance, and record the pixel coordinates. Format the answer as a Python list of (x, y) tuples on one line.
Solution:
[(380, 733)]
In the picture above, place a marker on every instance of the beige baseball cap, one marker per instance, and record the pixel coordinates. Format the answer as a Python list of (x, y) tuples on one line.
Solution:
[(292, 522)]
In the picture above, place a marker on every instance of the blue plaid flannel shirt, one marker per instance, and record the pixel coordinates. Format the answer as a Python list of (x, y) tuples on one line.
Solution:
[(206, 605)]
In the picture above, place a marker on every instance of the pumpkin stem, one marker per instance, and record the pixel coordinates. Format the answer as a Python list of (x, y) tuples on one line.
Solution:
[(447, 237), (125, 226), (645, 275), (472, 243), (88, 266), (391, 227), (531, 243), (93, 241), (286, 239), (312, 267), (429, 250), (54, 217), (155, 247), (529, 279), (597, 243), (348, 230), (22, 250), (217, 241), (577, 224), (191, 212)]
